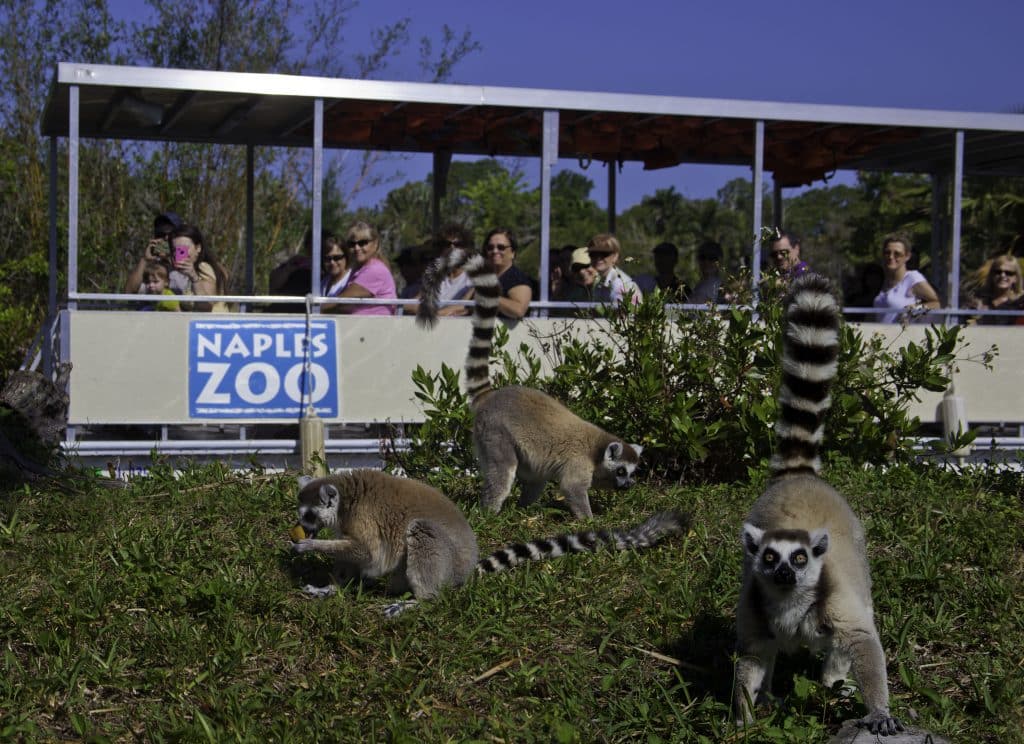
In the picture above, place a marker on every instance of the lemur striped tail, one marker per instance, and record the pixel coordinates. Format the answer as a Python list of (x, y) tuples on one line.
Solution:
[(658, 526), (487, 290), (810, 349)]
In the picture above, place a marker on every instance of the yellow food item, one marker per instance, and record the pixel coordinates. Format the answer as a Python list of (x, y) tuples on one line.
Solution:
[(297, 533)]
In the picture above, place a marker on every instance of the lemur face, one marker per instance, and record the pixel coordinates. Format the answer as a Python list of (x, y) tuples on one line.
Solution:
[(619, 464), (318, 504), (785, 559)]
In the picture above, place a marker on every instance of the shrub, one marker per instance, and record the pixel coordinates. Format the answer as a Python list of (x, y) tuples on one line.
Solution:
[(697, 389)]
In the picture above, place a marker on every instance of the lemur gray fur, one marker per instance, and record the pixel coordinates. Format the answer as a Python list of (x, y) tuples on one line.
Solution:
[(805, 574), (518, 432), (420, 541)]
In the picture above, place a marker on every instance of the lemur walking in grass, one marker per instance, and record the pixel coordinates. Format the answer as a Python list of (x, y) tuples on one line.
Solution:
[(805, 572), (521, 433)]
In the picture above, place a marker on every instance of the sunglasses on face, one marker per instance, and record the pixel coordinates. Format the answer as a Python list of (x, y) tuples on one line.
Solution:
[(444, 243), (361, 243), (780, 254), (599, 255), (580, 267), (334, 257), (892, 254), (497, 247), (1003, 272)]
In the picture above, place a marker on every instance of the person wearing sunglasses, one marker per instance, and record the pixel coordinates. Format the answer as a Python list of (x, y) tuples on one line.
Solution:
[(336, 273), (902, 288), (784, 252), (580, 286), (499, 251), (371, 275), (1002, 290), (613, 284)]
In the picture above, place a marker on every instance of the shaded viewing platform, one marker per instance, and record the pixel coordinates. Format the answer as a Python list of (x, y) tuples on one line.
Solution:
[(209, 411)]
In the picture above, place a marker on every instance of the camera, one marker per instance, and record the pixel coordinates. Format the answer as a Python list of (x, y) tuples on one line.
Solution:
[(159, 245)]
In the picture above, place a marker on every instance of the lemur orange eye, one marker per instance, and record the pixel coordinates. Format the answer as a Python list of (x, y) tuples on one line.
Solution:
[(769, 556), (799, 559)]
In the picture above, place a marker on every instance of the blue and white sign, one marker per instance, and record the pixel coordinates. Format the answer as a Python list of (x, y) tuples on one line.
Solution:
[(256, 369)]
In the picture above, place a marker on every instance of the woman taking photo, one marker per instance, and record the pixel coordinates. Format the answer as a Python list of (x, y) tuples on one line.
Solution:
[(902, 288), (205, 274), (500, 248), (370, 277), (1002, 291)]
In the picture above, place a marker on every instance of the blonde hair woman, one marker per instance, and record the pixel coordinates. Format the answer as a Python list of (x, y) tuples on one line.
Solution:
[(902, 287), (1003, 290), (371, 276), (613, 283)]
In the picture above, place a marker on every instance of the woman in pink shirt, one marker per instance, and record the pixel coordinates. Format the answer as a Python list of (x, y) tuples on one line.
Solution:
[(371, 276)]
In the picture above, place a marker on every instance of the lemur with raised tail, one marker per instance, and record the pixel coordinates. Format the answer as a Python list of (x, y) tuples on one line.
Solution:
[(413, 535), (518, 432), (806, 581)]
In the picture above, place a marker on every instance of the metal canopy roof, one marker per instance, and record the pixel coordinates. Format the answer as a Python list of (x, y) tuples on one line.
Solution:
[(802, 142)]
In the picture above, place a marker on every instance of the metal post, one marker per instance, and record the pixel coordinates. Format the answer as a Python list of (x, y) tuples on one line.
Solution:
[(958, 179), (777, 212), (548, 158), (439, 187), (73, 98), (312, 451), (250, 188), (318, 193), (755, 268), (51, 298), (940, 229), (612, 188)]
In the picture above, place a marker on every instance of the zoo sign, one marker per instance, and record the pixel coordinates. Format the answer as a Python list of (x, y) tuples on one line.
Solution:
[(256, 369)]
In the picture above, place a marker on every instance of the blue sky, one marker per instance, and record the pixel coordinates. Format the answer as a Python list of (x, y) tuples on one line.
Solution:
[(935, 54)]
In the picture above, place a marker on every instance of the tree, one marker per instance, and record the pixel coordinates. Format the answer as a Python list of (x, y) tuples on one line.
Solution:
[(124, 184), (825, 219)]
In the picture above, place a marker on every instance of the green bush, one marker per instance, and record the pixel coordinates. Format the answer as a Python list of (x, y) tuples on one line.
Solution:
[(696, 389)]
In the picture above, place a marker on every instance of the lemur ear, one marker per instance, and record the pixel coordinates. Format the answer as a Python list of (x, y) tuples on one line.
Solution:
[(819, 542), (329, 495), (637, 448), (752, 538), (304, 480), (613, 451)]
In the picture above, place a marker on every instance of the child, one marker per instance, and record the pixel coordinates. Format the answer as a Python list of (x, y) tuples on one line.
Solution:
[(155, 279)]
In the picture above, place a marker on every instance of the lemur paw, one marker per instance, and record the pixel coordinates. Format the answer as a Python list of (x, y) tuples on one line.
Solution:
[(880, 722), (302, 546), (319, 592), (394, 610)]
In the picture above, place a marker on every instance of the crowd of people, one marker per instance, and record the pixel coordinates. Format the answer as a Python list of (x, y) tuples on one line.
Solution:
[(177, 265)]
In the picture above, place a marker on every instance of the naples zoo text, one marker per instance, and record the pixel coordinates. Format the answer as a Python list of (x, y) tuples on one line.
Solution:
[(258, 368)]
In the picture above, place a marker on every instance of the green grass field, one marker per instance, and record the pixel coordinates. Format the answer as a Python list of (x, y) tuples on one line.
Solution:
[(170, 611)]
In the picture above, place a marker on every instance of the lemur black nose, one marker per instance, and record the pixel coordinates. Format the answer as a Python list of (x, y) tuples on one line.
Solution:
[(784, 575)]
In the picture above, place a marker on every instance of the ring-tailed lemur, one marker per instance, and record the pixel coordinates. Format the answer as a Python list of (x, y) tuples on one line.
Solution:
[(519, 432), (805, 573), (415, 536)]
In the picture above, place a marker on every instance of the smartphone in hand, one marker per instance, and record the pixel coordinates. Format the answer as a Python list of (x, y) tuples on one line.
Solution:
[(180, 253)]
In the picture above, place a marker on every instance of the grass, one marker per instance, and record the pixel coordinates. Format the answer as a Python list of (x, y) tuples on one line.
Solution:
[(170, 612)]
